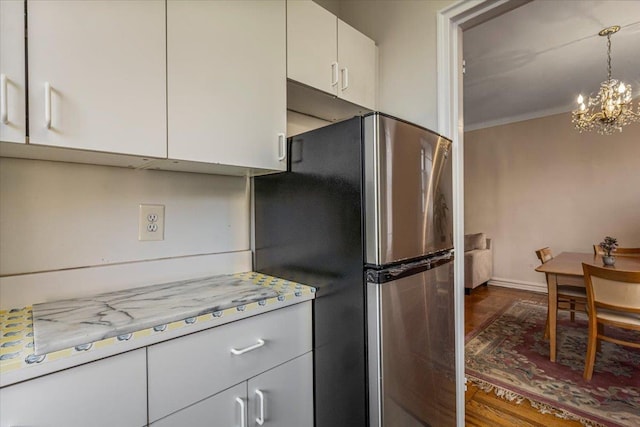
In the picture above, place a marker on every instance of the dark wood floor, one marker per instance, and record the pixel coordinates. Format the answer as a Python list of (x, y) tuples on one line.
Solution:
[(486, 409)]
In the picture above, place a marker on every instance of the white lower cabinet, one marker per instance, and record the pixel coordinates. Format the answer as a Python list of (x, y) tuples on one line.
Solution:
[(223, 410), (109, 392), (252, 372), (280, 397), (200, 366), (283, 396)]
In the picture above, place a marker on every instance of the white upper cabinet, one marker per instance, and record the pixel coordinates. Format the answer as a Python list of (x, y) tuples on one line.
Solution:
[(312, 41), (357, 56), (12, 72), (97, 78), (227, 82), (327, 54)]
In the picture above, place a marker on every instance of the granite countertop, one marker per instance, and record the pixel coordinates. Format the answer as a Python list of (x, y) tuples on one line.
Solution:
[(60, 334)]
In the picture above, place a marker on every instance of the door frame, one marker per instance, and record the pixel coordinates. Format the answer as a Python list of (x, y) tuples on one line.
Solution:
[(451, 22)]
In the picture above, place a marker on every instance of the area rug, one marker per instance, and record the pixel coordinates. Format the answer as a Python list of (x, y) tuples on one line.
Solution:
[(509, 356)]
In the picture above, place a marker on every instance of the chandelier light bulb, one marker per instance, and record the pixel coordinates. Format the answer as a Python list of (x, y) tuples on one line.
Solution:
[(580, 99), (621, 88)]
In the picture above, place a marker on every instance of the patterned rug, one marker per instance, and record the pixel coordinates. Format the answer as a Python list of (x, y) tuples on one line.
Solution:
[(509, 356)]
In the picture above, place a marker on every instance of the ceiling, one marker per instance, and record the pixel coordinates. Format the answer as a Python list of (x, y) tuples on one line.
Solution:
[(534, 60)]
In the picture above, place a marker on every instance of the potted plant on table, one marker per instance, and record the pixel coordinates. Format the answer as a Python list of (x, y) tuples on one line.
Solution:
[(608, 246)]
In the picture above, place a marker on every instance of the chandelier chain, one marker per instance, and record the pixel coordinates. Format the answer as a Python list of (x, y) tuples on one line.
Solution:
[(608, 56)]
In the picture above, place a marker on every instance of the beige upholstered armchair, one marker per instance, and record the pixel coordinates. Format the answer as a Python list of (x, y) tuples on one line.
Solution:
[(478, 260)]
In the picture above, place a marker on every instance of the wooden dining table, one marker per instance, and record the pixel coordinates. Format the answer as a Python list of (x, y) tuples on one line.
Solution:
[(566, 269)]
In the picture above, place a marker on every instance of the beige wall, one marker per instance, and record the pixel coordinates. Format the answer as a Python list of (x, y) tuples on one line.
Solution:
[(541, 183), (405, 32), (61, 215)]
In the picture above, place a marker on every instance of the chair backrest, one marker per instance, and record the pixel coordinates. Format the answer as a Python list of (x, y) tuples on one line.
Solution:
[(627, 251), (597, 250), (612, 289), (544, 254)]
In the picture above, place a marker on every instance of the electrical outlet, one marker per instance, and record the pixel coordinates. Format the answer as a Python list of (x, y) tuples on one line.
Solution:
[(151, 222)]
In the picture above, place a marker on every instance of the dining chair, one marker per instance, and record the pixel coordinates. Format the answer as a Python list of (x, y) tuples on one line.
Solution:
[(567, 296), (627, 251), (597, 250), (613, 300)]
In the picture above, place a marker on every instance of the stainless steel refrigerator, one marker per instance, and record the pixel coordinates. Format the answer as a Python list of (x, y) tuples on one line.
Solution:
[(363, 213)]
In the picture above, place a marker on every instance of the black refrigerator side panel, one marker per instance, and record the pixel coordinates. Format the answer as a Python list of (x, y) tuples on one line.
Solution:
[(308, 228)]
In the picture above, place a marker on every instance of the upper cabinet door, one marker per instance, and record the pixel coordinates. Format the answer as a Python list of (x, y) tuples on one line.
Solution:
[(357, 56), (12, 73), (312, 45), (97, 78), (227, 82)]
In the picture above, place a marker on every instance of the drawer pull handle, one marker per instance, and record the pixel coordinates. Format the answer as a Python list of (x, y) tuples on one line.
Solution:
[(260, 419), (243, 420), (237, 352)]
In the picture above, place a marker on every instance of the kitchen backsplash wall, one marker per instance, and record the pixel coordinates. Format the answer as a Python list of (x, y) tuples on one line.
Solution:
[(62, 215)]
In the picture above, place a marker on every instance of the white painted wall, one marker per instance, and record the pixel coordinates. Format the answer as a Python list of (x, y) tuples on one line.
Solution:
[(541, 183), (62, 215), (405, 32)]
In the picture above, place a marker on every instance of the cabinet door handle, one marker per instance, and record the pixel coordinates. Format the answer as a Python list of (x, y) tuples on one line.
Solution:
[(243, 419), (345, 78), (260, 419), (237, 352), (282, 148), (334, 73), (4, 116), (47, 105)]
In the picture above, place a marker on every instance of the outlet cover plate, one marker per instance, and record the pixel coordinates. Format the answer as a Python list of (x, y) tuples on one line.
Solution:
[(151, 222)]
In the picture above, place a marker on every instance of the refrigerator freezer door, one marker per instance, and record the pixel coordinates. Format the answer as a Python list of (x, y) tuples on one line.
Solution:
[(411, 350), (408, 191)]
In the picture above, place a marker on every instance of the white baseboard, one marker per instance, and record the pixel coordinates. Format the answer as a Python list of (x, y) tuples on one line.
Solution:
[(519, 284), (27, 289)]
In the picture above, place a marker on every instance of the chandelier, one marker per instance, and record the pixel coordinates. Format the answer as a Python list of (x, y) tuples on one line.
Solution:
[(611, 108)]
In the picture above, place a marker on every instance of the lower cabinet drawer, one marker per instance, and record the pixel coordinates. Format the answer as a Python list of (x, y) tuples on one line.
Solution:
[(191, 368), (109, 392)]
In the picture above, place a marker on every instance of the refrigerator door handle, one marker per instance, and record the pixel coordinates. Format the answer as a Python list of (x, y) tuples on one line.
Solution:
[(423, 190), (393, 273)]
